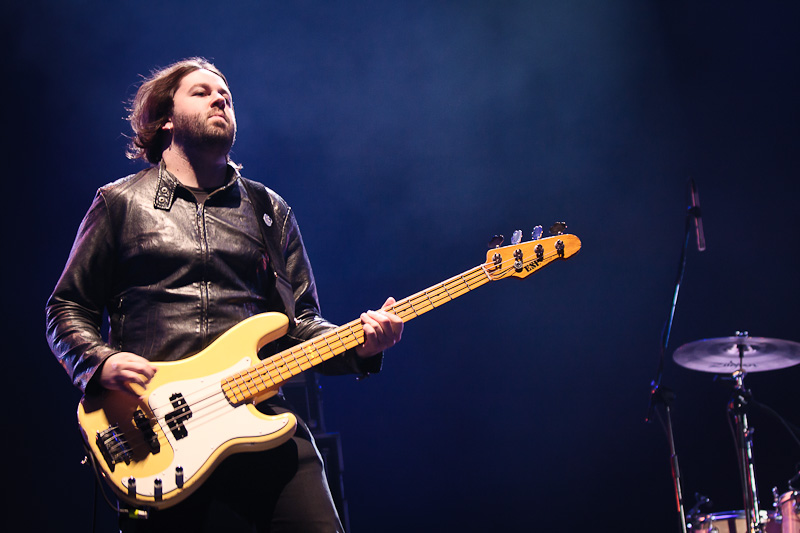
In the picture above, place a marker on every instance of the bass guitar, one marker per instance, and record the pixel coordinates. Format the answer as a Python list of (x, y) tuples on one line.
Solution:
[(155, 451)]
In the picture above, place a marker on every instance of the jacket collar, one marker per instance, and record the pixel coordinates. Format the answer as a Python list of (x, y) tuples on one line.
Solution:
[(167, 183)]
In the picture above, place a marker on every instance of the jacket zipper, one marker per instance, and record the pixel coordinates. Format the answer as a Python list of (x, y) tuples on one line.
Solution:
[(201, 228)]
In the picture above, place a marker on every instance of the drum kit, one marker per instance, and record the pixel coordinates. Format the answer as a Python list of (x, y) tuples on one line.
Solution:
[(737, 356)]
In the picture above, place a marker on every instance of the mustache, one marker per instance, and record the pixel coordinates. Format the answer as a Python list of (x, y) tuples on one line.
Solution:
[(218, 114)]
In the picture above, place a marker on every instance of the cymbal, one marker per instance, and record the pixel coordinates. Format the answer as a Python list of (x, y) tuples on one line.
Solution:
[(722, 355)]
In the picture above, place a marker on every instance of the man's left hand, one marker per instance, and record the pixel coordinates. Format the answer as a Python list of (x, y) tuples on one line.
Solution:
[(382, 330)]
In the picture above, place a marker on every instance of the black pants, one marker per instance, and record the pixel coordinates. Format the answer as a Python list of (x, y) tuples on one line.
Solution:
[(279, 490)]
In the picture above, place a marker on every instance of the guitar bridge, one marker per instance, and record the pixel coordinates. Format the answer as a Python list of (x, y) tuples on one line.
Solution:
[(114, 446)]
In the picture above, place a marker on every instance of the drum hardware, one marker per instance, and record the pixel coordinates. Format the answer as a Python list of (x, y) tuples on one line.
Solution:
[(737, 356), (787, 505), (732, 522), (737, 408), (694, 513), (788, 511)]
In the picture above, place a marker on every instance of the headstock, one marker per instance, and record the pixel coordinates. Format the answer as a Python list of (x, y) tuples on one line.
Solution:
[(521, 259)]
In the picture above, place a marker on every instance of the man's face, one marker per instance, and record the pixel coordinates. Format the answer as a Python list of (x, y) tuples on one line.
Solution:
[(202, 114)]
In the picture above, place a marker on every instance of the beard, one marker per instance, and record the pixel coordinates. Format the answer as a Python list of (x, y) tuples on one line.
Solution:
[(195, 132)]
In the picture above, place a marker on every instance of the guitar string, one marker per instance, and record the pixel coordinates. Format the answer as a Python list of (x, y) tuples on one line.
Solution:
[(404, 308)]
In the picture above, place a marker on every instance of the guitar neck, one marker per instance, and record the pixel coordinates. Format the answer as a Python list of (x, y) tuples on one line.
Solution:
[(518, 260), (274, 371)]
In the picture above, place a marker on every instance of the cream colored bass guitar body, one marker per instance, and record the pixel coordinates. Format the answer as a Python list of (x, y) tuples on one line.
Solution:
[(156, 451)]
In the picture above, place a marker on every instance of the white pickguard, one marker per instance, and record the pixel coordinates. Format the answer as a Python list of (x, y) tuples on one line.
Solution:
[(214, 421)]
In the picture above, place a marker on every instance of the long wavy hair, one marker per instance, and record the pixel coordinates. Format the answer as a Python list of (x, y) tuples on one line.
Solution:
[(151, 107)]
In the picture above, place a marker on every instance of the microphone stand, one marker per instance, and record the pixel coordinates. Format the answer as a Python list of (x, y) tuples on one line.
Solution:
[(662, 395)]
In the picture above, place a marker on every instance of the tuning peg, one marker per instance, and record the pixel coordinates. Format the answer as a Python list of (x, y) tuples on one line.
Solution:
[(496, 241), (536, 234), (516, 237), (558, 228)]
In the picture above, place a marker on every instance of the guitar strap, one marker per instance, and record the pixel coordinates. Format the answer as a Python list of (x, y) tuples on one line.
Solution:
[(271, 237)]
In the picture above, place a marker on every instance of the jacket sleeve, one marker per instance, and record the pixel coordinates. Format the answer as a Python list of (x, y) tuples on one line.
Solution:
[(308, 321), (74, 311)]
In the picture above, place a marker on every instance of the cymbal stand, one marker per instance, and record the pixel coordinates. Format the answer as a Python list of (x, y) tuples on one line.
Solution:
[(744, 447)]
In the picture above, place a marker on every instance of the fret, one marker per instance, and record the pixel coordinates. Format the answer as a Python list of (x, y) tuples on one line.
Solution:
[(436, 292), (358, 335), (450, 296), (413, 310), (264, 384), (303, 362), (315, 355), (344, 343)]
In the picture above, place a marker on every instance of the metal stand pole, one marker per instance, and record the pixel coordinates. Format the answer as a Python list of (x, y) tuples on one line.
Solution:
[(665, 396), (744, 446)]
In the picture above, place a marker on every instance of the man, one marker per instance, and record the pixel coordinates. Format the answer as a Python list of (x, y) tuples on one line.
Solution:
[(176, 255)]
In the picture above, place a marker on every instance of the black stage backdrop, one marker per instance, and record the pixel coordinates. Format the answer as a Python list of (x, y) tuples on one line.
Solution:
[(406, 134)]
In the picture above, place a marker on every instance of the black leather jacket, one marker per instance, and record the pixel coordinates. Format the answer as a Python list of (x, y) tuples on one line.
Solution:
[(173, 274)]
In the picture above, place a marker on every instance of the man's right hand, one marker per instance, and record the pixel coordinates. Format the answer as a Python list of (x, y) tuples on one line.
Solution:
[(123, 371)]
